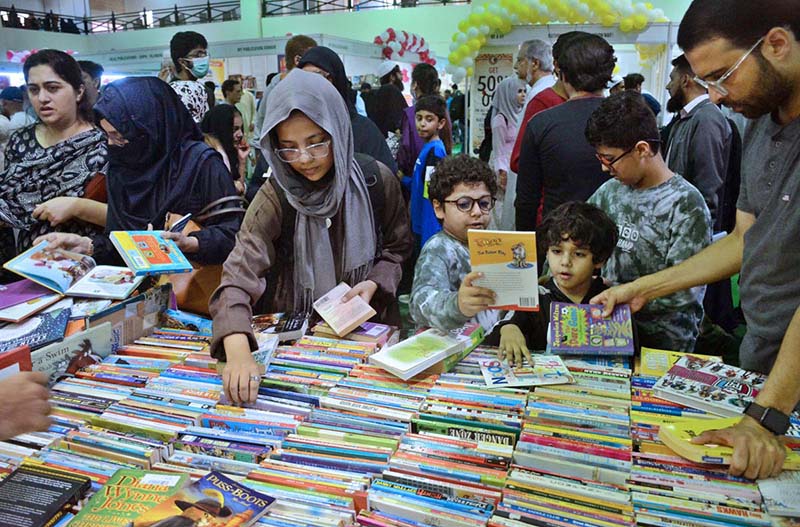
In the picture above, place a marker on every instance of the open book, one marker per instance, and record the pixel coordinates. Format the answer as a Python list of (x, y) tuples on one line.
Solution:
[(343, 317), (69, 273)]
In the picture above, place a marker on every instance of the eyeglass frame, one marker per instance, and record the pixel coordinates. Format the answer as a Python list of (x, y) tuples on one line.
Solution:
[(610, 164), (717, 84), (472, 203), (301, 151)]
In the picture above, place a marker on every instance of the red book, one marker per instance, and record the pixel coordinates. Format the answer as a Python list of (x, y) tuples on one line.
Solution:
[(14, 361)]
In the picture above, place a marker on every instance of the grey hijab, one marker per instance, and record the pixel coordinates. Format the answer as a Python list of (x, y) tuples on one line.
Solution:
[(314, 265), (505, 100)]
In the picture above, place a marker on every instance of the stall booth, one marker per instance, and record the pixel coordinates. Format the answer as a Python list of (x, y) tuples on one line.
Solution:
[(648, 52)]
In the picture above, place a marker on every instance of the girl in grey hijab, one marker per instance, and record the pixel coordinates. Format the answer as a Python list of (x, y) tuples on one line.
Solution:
[(309, 228), (507, 107)]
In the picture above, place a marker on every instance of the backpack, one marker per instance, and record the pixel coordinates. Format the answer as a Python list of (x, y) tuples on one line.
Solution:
[(284, 248)]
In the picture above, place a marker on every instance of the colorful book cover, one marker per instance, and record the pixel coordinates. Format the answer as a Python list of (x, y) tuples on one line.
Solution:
[(546, 369), (177, 319), (14, 361), (656, 362), (148, 253), (65, 358), (782, 494), (20, 312), (213, 501), (710, 386), (581, 329), (19, 292), (69, 273), (343, 317), (128, 494), (508, 263), (37, 331)]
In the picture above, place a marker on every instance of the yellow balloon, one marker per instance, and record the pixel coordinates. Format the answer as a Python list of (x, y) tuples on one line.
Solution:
[(474, 44), (470, 71), (453, 58), (474, 19), (463, 26), (608, 20), (626, 25), (639, 21)]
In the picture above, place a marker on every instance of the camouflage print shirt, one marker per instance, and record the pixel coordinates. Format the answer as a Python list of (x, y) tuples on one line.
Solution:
[(441, 267), (659, 227)]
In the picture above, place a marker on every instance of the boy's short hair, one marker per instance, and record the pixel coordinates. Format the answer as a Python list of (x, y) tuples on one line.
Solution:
[(228, 86), (621, 121), (432, 103), (633, 81), (182, 43), (452, 170), (583, 224), (587, 62)]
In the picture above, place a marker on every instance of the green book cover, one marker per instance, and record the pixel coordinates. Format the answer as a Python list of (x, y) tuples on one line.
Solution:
[(128, 494)]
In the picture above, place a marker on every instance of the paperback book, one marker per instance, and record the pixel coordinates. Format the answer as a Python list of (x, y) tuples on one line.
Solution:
[(782, 494), (36, 496), (148, 253), (546, 369), (343, 317), (215, 497), (35, 332), (508, 263), (14, 361), (69, 273), (20, 291), (577, 329), (66, 358), (286, 326), (20, 312)]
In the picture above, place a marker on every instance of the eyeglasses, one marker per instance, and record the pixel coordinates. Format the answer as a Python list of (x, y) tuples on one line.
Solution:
[(717, 84), (465, 204), (610, 162), (197, 54), (315, 151)]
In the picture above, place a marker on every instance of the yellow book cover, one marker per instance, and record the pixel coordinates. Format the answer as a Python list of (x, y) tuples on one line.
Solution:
[(508, 263), (656, 362), (678, 436)]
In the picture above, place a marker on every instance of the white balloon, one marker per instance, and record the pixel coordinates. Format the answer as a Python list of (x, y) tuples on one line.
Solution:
[(657, 13), (479, 10), (494, 9), (485, 29), (473, 32), (514, 19), (461, 38), (454, 46)]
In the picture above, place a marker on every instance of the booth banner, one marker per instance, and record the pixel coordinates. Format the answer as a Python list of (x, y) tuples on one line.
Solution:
[(491, 67), (216, 67)]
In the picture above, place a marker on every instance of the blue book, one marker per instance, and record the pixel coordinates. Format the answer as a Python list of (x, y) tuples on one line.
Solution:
[(148, 253)]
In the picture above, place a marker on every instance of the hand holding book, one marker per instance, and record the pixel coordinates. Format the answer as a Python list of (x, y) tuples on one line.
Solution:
[(473, 299)]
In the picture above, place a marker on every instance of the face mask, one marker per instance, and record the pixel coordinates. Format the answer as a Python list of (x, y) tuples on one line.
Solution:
[(200, 67)]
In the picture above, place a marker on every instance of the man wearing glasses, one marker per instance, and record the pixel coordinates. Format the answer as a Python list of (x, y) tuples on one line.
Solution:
[(747, 53), (189, 52)]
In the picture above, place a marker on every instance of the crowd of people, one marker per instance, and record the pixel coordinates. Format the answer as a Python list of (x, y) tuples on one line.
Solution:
[(360, 187)]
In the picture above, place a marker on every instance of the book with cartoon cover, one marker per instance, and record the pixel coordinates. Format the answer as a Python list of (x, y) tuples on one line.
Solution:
[(508, 263), (35, 332), (546, 369), (212, 501), (580, 329), (73, 274), (149, 253)]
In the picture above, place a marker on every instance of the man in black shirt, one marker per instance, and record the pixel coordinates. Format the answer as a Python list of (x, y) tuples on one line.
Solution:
[(386, 105), (556, 160)]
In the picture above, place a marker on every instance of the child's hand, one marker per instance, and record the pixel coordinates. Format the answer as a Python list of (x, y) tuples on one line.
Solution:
[(473, 299), (513, 346)]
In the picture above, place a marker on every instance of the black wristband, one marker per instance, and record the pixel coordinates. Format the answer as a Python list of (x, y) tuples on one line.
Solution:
[(773, 420)]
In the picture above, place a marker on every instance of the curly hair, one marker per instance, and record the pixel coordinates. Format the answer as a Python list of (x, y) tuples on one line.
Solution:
[(621, 121), (584, 225), (452, 170)]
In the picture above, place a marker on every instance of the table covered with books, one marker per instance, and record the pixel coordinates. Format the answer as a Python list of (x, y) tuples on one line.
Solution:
[(368, 430)]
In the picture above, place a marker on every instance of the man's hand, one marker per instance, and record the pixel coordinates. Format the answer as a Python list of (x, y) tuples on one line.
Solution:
[(757, 452), (23, 404), (473, 299), (187, 244), (620, 294), (67, 241), (366, 290), (513, 346), (57, 210)]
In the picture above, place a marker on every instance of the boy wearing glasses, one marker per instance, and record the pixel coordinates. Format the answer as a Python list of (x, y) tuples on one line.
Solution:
[(462, 191), (662, 219)]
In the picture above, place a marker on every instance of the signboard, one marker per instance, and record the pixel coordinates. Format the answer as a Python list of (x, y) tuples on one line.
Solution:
[(490, 68)]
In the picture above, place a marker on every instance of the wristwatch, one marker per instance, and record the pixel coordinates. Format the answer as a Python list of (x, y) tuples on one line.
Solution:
[(773, 420)]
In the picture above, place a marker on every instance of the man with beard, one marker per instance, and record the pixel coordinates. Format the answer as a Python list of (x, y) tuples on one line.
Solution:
[(699, 147), (747, 53), (386, 105)]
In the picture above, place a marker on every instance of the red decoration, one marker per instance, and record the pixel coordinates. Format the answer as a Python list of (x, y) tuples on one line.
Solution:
[(398, 43)]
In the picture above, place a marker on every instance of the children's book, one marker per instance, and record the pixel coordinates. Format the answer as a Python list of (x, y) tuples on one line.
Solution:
[(19, 292), (128, 494), (508, 263), (177, 319), (782, 494), (656, 362), (343, 317), (678, 437), (216, 498), (581, 329), (286, 326), (711, 386), (424, 350), (65, 358), (373, 332), (546, 369), (148, 253), (37, 496), (69, 273), (14, 361), (20, 312), (37, 331)]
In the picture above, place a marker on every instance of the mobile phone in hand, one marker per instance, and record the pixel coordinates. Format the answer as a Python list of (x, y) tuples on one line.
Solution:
[(181, 223)]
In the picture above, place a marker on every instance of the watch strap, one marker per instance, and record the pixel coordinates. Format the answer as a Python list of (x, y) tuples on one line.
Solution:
[(773, 420)]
